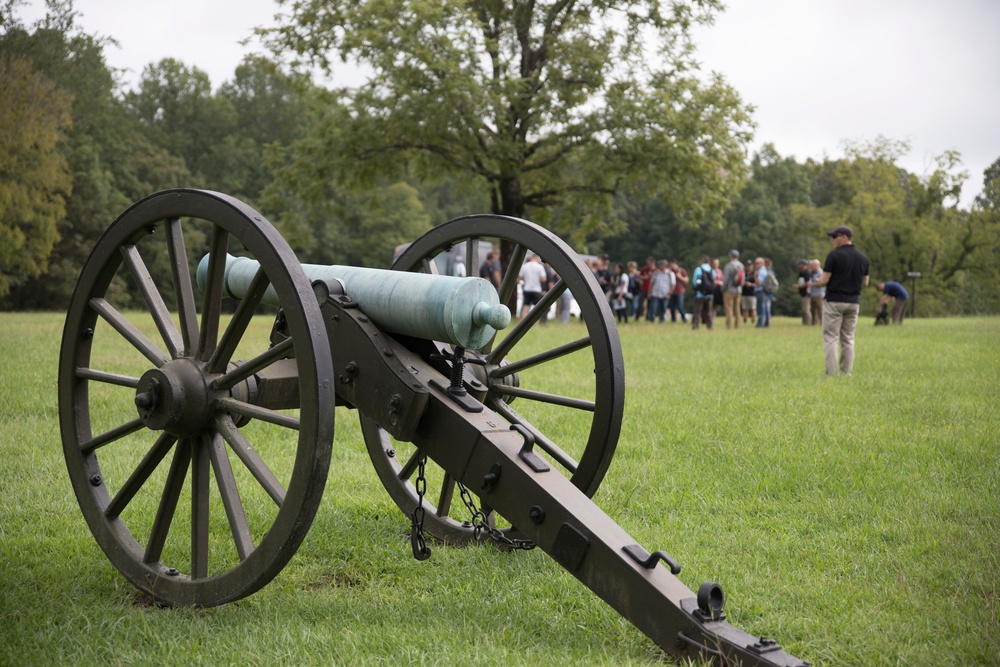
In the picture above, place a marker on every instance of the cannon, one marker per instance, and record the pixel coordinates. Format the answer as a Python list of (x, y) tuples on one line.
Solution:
[(162, 408)]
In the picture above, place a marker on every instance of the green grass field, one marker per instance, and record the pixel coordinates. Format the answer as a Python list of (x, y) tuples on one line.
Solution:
[(856, 520)]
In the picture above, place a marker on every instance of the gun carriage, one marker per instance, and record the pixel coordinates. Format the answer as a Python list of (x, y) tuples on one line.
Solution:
[(441, 397)]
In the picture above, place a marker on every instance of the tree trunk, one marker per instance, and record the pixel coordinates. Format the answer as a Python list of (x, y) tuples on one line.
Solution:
[(511, 204)]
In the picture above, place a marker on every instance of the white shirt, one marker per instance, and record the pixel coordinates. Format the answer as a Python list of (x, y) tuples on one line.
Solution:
[(533, 274)]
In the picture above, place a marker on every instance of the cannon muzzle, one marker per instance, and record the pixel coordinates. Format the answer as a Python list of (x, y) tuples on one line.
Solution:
[(463, 311)]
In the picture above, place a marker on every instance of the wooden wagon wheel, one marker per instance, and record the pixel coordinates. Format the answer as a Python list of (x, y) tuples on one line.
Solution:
[(146, 395), (576, 433)]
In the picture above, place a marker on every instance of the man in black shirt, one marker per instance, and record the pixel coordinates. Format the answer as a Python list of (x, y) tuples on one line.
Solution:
[(845, 272), (490, 269)]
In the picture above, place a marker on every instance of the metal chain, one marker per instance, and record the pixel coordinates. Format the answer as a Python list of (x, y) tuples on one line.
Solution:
[(480, 525), (417, 540)]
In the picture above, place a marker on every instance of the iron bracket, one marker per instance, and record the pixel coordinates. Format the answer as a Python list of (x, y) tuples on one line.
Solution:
[(370, 375)]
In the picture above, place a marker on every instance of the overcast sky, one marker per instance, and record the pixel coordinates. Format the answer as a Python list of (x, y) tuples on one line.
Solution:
[(818, 71)]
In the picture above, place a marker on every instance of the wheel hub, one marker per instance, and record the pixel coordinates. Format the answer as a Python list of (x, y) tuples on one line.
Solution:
[(175, 398)]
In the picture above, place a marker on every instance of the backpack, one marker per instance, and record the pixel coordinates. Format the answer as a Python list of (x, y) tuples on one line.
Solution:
[(770, 283), (706, 281), (737, 280)]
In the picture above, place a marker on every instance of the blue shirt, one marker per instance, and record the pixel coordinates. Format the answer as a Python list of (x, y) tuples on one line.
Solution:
[(896, 291), (761, 277), (704, 268)]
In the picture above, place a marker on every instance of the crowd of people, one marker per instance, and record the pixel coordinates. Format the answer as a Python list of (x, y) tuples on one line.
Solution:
[(744, 292)]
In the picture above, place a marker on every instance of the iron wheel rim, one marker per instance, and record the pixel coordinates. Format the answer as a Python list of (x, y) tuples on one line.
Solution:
[(604, 344), (168, 583)]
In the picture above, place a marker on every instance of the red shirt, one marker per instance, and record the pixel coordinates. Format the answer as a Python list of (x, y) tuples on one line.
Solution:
[(680, 287), (645, 273)]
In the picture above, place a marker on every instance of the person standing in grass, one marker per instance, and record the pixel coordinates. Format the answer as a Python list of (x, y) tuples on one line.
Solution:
[(805, 277), (845, 272), (633, 288), (732, 285), (717, 289), (748, 300), (642, 295), (622, 296), (704, 289), (676, 302), (817, 293), (661, 283), (898, 294), (763, 311), (490, 269), (534, 277)]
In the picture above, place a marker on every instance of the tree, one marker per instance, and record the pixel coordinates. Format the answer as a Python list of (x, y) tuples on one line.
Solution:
[(110, 160), (552, 105), (176, 109), (268, 106), (771, 218), (978, 246), (378, 224), (34, 176), (912, 224)]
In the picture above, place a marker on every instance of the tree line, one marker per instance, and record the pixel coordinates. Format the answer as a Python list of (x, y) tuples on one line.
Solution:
[(553, 112)]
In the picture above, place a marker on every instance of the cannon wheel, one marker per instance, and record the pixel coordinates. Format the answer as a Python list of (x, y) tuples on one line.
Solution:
[(516, 380), (136, 417)]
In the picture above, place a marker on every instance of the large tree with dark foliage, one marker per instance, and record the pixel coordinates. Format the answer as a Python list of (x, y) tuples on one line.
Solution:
[(551, 106)]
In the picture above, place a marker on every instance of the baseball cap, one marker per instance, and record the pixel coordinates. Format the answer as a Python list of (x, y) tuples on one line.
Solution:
[(842, 230), (734, 253)]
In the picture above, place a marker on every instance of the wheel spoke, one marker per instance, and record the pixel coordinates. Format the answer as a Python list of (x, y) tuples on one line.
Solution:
[(139, 476), (168, 502), (248, 368), (509, 282), (543, 397), (472, 256), (251, 459), (129, 332), (528, 321), (428, 265), (212, 304), (107, 378), (157, 308), (446, 495), (200, 473), (230, 497), (406, 472), (108, 437), (541, 358), (137, 504), (186, 309), (238, 325), (546, 445), (245, 409)]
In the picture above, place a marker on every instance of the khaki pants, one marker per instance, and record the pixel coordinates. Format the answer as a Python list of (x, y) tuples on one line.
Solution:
[(731, 302), (839, 322), (816, 307), (806, 310)]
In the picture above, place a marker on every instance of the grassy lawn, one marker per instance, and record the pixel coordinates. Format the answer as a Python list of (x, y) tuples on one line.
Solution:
[(856, 520)]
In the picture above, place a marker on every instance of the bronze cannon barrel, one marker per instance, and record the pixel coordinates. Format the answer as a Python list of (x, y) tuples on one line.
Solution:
[(462, 311)]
